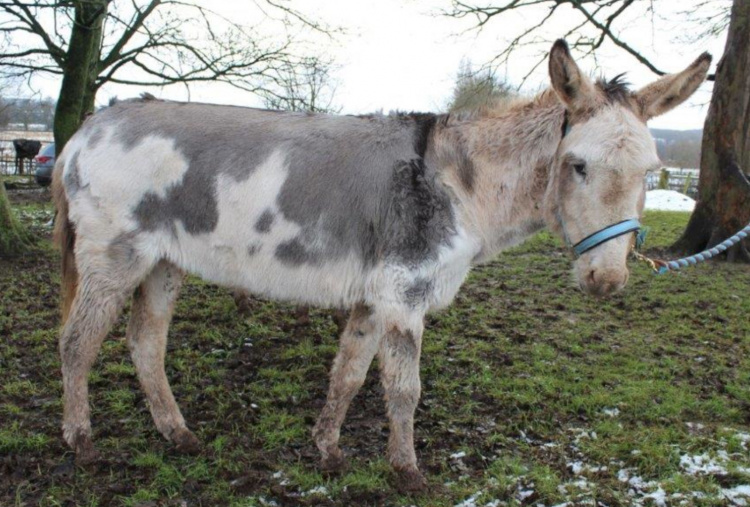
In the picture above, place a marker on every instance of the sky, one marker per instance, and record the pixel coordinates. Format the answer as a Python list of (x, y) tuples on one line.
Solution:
[(404, 55)]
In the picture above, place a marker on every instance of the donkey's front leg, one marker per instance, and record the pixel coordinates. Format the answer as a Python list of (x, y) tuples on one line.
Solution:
[(359, 343), (399, 372)]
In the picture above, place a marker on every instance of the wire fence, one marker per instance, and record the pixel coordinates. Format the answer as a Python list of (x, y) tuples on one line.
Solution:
[(684, 181)]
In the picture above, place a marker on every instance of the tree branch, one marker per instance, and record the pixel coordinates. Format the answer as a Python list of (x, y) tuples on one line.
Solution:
[(135, 25), (28, 18), (601, 15)]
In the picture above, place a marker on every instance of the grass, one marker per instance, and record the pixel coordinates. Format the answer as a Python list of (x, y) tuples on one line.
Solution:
[(533, 394)]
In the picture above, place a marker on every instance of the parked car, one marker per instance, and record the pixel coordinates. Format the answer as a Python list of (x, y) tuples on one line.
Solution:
[(45, 162)]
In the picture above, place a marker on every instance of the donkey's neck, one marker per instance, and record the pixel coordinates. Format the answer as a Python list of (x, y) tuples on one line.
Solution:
[(498, 166)]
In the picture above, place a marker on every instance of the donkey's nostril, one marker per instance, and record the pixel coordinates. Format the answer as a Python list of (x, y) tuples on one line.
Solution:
[(592, 276), (601, 282)]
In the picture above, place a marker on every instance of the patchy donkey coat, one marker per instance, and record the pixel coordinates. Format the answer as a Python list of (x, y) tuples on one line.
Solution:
[(381, 214)]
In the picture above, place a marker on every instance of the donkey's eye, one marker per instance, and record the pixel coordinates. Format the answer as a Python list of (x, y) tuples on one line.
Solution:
[(580, 168)]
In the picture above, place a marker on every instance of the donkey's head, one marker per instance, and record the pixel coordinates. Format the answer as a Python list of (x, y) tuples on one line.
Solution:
[(598, 178)]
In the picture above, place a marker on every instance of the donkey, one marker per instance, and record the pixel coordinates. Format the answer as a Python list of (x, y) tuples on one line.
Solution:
[(381, 214)]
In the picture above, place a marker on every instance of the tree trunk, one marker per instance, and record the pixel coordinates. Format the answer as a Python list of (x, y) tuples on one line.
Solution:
[(76, 92), (88, 106), (723, 205), (14, 238)]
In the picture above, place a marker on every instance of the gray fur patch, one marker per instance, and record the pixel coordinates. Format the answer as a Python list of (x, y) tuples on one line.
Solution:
[(122, 251), (192, 202), (72, 180), (354, 185), (293, 252), (402, 343), (420, 217), (466, 171), (253, 249), (264, 223), (95, 138), (215, 140), (416, 293), (359, 320), (349, 193)]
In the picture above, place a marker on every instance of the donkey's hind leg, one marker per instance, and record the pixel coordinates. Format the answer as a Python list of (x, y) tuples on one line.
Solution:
[(102, 292), (358, 345), (399, 373), (151, 313)]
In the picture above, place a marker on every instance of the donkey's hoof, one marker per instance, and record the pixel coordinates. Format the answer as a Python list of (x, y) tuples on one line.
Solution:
[(409, 480), (86, 453), (333, 462), (185, 442)]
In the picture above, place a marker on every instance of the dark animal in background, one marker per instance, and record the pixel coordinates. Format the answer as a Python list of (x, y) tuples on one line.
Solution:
[(25, 150)]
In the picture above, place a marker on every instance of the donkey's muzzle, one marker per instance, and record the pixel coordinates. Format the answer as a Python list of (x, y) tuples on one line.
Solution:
[(603, 282)]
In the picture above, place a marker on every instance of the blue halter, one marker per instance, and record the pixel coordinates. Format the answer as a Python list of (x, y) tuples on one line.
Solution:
[(603, 235)]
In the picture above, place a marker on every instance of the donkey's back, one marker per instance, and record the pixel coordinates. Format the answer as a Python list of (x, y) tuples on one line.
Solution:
[(288, 205)]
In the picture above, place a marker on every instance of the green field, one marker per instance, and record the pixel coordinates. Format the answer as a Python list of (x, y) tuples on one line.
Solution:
[(533, 394)]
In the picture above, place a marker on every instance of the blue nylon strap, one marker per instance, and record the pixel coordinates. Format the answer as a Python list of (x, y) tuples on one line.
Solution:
[(611, 232)]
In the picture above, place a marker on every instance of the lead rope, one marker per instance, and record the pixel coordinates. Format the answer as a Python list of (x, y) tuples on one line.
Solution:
[(660, 267)]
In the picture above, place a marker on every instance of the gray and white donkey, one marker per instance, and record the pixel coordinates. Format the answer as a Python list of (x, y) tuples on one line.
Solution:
[(384, 215)]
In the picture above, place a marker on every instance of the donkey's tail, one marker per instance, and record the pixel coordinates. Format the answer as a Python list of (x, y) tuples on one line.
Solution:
[(65, 238)]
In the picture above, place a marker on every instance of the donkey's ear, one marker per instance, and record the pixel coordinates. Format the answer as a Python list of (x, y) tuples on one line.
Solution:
[(574, 88), (673, 89)]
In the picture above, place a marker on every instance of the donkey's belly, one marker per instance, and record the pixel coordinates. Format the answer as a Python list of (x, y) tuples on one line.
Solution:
[(257, 269)]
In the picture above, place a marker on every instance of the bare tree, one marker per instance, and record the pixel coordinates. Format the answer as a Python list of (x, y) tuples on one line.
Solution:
[(477, 89), (598, 21), (90, 43), (306, 87), (723, 192)]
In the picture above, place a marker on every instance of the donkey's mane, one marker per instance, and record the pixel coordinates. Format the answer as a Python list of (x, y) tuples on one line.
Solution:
[(615, 90)]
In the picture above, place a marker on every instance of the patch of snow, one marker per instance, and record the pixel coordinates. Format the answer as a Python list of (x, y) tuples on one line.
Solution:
[(280, 475), (704, 464), (458, 455), (319, 490), (668, 200), (744, 438), (579, 467), (636, 483), (576, 467), (525, 438), (582, 433), (471, 501), (739, 495), (523, 494), (611, 412), (659, 497)]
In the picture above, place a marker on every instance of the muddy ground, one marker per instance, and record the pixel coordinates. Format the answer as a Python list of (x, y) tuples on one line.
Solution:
[(532, 394)]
